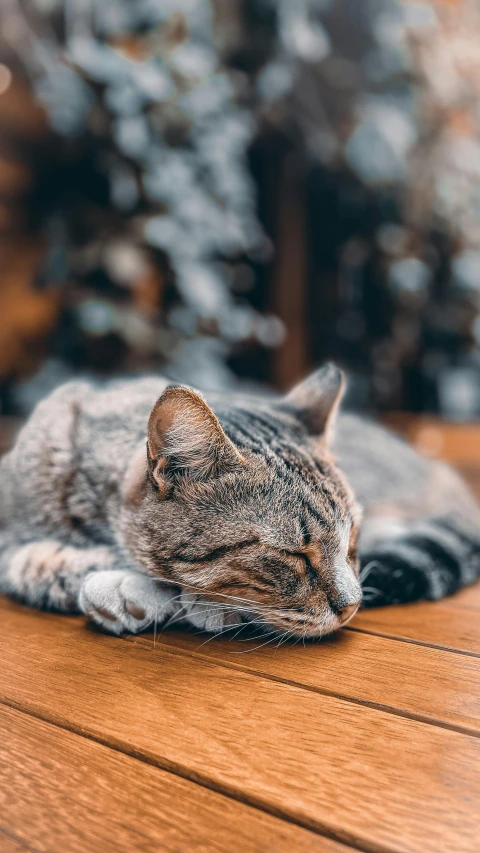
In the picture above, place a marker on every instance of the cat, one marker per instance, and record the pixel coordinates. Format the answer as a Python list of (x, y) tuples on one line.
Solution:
[(225, 511)]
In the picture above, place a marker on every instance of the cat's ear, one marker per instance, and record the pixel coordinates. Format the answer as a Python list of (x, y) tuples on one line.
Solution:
[(185, 437), (316, 400)]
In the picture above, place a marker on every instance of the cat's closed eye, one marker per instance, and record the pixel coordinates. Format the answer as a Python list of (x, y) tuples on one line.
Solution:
[(304, 564)]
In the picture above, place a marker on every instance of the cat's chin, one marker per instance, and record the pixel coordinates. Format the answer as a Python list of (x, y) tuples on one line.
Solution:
[(215, 618), (330, 624), (314, 630)]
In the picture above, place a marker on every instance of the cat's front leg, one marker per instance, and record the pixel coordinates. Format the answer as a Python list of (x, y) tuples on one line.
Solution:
[(125, 601), (46, 573)]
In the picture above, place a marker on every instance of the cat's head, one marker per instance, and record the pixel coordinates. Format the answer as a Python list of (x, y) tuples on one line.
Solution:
[(251, 515)]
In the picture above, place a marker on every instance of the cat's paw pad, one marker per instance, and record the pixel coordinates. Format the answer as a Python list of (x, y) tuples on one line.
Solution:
[(121, 601)]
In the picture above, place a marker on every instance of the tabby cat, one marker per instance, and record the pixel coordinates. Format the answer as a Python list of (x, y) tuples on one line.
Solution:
[(235, 511)]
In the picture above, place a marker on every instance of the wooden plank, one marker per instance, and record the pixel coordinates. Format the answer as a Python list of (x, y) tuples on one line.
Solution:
[(427, 684), (11, 845), (435, 623), (467, 598), (59, 791), (368, 778)]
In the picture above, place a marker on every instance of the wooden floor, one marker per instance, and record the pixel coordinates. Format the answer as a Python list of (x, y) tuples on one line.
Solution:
[(367, 741)]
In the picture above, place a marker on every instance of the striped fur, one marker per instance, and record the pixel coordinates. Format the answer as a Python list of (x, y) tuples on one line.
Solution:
[(225, 511)]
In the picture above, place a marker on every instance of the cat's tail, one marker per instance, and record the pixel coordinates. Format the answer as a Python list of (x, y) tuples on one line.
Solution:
[(430, 558)]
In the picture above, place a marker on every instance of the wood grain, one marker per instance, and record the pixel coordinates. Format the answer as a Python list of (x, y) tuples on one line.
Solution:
[(426, 683), (60, 792), (8, 844), (435, 623), (375, 780)]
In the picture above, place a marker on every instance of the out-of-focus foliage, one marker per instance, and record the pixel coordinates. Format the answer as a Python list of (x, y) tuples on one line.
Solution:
[(150, 209)]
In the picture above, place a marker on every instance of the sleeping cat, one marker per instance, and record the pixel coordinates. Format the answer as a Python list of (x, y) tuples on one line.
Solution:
[(221, 514)]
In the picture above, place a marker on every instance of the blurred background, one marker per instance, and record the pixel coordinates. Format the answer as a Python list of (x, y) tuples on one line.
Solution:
[(232, 191)]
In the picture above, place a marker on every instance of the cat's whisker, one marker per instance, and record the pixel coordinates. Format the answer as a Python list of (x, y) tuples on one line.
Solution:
[(235, 608), (371, 589), (259, 622), (263, 626), (263, 609), (218, 605), (220, 634), (176, 617), (264, 633), (256, 606), (198, 591), (299, 638), (246, 651), (244, 625), (176, 598), (284, 637), (209, 606), (253, 605), (255, 637), (183, 615), (366, 570)]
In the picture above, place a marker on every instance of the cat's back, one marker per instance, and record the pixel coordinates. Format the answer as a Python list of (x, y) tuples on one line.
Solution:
[(83, 410), (388, 474), (80, 439)]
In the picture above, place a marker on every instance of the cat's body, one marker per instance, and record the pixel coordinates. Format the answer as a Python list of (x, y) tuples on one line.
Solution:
[(242, 519)]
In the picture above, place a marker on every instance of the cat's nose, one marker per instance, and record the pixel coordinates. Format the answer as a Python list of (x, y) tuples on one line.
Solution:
[(346, 594), (346, 613)]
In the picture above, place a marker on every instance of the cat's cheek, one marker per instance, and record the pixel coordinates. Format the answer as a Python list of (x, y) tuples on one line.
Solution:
[(354, 565)]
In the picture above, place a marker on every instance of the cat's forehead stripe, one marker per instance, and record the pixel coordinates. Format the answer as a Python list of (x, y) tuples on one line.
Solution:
[(183, 556), (273, 443)]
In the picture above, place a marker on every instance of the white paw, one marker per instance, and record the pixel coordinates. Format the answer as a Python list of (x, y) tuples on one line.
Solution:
[(122, 601)]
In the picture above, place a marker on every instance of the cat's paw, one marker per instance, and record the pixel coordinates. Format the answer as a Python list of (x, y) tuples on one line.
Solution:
[(121, 601)]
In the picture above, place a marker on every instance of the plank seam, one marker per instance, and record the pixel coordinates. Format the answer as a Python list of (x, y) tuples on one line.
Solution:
[(317, 827), (323, 691), (412, 642)]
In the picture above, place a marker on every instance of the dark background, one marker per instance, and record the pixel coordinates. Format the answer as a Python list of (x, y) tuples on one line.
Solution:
[(233, 191)]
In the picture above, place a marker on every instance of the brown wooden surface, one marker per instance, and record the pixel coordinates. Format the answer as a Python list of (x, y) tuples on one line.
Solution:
[(439, 624), (308, 757), (366, 741), (63, 792), (426, 683)]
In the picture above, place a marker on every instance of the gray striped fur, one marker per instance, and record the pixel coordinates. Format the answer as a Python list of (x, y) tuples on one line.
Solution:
[(226, 511)]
